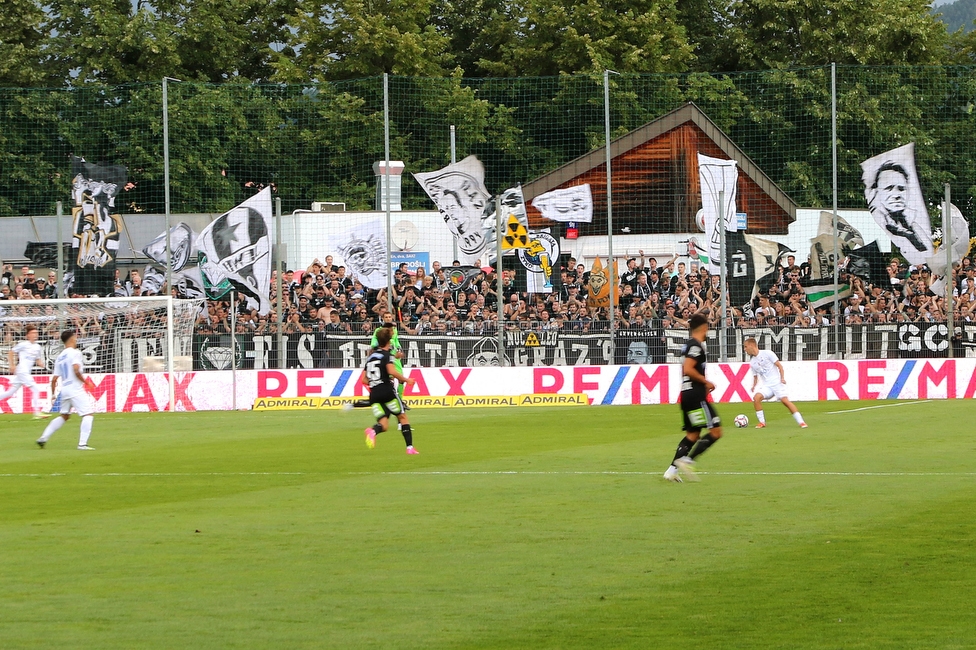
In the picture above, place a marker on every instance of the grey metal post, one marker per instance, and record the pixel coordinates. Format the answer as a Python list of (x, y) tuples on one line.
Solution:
[(386, 189), (454, 160), (279, 269), (233, 348), (833, 153), (499, 274), (611, 273), (723, 322), (169, 262), (60, 254), (950, 281)]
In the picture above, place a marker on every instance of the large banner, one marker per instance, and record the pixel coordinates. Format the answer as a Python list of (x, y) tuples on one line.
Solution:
[(235, 250), (597, 385), (894, 196), (96, 227), (459, 193), (719, 179), (564, 348)]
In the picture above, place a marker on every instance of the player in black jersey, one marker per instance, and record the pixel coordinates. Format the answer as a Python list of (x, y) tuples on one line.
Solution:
[(696, 412), (379, 374)]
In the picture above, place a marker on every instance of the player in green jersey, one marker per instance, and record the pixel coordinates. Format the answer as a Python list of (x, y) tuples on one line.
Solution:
[(395, 350)]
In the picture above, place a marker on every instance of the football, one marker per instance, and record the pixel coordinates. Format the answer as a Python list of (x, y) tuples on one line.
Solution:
[(741, 420)]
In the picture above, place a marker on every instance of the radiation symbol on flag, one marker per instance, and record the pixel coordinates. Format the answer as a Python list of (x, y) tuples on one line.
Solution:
[(531, 340), (516, 235)]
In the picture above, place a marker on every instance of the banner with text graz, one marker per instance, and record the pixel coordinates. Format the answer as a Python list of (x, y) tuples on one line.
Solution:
[(320, 350)]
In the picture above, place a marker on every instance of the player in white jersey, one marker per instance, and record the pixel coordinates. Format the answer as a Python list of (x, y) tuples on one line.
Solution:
[(765, 365), (24, 356), (74, 391)]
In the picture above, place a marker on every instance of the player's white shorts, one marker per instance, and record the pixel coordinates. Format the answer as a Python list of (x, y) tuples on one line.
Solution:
[(776, 390), (81, 401), (23, 380)]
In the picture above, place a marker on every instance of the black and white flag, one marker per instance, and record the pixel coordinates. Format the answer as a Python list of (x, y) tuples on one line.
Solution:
[(459, 193), (235, 249), (567, 204), (459, 278), (894, 196), (822, 246), (718, 179), (752, 265), (363, 250), (96, 226), (182, 245)]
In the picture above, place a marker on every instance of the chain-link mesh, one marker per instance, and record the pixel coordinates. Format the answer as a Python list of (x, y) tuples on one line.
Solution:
[(319, 143)]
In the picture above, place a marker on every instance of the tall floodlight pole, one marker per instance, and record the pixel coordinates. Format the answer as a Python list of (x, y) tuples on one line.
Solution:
[(723, 323), (169, 262), (60, 254), (950, 281), (611, 273), (279, 269), (499, 274), (833, 154), (386, 189)]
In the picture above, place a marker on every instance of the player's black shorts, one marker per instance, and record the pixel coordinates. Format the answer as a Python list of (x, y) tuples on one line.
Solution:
[(698, 414), (385, 402)]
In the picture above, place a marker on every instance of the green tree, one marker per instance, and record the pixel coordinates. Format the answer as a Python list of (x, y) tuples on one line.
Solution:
[(781, 34), (551, 37), (21, 39), (350, 39)]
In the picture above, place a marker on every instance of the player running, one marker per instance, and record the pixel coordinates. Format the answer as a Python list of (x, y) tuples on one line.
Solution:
[(396, 356), (379, 373), (765, 365), (697, 413), (75, 389), (24, 356)]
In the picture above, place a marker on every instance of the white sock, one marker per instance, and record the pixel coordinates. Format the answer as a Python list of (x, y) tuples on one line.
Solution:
[(86, 425), (9, 393), (761, 416), (798, 417), (53, 426)]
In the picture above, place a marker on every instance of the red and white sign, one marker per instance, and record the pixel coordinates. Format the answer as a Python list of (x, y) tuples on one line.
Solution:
[(604, 385)]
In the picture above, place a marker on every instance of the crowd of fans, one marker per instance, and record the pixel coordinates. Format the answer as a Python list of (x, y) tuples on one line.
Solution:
[(324, 298)]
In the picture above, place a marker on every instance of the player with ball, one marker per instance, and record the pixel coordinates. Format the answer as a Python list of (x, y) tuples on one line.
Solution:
[(766, 365)]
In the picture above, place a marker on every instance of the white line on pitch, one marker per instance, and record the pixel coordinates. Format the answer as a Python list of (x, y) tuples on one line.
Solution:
[(882, 406), (474, 473)]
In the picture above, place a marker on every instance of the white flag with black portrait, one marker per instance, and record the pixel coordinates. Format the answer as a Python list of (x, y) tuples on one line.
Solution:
[(363, 250), (894, 196), (568, 204), (718, 179), (235, 249), (182, 245), (459, 193)]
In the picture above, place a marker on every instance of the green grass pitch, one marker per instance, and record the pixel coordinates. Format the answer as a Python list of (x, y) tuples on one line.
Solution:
[(536, 528)]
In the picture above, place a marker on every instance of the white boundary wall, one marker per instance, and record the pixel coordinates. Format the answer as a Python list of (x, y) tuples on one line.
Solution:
[(650, 384)]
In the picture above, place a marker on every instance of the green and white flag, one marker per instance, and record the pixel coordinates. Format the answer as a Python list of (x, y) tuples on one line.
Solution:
[(820, 293)]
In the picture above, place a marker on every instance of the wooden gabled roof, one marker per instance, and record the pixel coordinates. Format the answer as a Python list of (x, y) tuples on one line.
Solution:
[(676, 126)]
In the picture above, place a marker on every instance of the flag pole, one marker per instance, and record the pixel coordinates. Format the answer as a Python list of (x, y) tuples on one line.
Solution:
[(721, 277), (454, 160)]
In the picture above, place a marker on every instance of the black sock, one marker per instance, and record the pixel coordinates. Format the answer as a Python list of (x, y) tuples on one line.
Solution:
[(407, 434), (378, 428), (704, 443), (684, 447)]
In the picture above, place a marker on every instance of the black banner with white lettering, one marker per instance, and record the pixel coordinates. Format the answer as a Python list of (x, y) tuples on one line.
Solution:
[(552, 348)]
